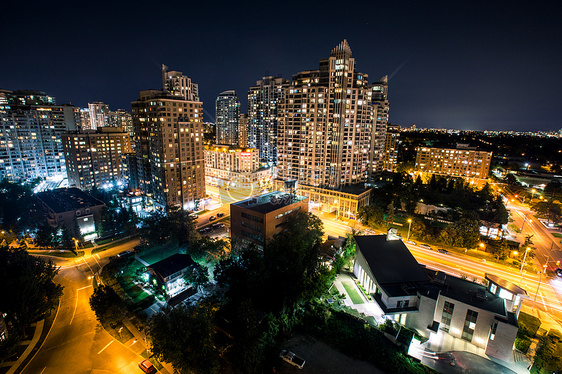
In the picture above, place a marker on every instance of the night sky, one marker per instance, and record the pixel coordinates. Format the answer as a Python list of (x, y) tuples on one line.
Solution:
[(464, 64)]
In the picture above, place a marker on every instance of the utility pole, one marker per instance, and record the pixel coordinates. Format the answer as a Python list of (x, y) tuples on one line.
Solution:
[(537, 292)]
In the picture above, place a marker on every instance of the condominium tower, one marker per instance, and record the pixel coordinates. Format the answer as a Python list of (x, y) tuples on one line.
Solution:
[(227, 118), (94, 158), (168, 135), (327, 124), (263, 116), (31, 126)]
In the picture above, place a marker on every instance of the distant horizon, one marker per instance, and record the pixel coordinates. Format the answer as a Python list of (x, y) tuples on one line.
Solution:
[(479, 66)]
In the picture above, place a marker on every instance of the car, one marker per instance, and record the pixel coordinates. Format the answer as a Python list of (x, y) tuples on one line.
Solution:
[(441, 250), (220, 225), (292, 358), (215, 226), (558, 272), (212, 218), (124, 253), (220, 214), (425, 246), (411, 242), (147, 367), (194, 215)]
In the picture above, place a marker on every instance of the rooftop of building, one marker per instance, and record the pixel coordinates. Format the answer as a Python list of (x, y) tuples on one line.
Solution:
[(464, 291), (171, 265), (62, 200), (269, 202), (395, 269), (514, 289), (228, 148)]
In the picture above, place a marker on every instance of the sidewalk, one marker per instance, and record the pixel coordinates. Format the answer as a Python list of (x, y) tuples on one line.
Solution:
[(36, 335)]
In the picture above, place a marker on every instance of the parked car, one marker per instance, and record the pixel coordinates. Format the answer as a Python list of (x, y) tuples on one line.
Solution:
[(425, 246), (220, 214), (292, 358), (212, 218), (558, 272), (215, 226), (147, 367), (441, 250), (205, 230), (411, 242), (220, 225), (124, 253)]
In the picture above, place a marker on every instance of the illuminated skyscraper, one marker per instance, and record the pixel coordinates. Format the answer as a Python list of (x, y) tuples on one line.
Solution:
[(327, 124), (227, 118), (31, 125), (380, 115), (263, 121), (169, 164)]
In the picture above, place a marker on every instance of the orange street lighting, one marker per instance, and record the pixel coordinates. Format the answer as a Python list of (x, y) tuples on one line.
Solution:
[(409, 227)]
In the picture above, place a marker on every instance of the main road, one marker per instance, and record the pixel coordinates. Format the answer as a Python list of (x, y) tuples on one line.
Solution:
[(76, 343)]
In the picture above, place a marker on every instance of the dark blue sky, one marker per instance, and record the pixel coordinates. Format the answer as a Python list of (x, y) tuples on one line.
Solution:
[(470, 64)]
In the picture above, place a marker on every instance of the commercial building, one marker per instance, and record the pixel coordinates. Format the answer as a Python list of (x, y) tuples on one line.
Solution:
[(468, 163), (344, 202), (227, 113), (237, 168), (31, 126), (439, 307), (258, 219), (327, 124), (94, 158), (73, 209), (263, 115), (169, 160)]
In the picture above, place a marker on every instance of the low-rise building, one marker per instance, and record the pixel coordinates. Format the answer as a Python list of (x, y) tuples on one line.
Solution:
[(72, 208), (436, 305), (344, 202), (469, 163), (231, 167), (169, 273), (256, 220)]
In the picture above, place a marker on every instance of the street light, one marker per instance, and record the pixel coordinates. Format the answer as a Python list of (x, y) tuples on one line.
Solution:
[(409, 227), (533, 194), (523, 263)]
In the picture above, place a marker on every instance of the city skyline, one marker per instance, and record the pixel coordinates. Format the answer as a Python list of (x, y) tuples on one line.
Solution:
[(466, 66)]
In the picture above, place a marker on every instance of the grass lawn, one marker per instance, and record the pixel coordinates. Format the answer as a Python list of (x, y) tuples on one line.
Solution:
[(352, 292), (156, 254), (55, 253), (556, 235)]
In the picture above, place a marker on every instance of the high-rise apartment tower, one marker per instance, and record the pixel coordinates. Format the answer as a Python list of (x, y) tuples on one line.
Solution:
[(227, 118), (327, 124), (263, 116)]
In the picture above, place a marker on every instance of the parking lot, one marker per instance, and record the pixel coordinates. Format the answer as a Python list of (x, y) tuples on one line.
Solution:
[(321, 358)]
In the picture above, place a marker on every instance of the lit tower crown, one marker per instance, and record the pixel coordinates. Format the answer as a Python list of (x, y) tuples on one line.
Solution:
[(342, 48)]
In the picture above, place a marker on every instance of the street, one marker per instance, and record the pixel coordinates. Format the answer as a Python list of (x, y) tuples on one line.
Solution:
[(76, 342)]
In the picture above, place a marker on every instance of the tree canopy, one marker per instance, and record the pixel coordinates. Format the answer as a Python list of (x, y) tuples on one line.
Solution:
[(27, 288)]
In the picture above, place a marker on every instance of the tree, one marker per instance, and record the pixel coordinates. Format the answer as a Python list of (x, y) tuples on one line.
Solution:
[(390, 213), (107, 305), (500, 249), (27, 286), (198, 276), (185, 337), (46, 236)]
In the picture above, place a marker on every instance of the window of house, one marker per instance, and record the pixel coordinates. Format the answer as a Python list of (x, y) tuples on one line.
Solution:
[(469, 325), (447, 316)]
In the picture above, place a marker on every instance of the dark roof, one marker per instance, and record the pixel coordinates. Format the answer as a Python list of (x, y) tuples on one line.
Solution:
[(466, 292), (62, 200), (392, 264), (514, 289), (269, 202), (171, 265)]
